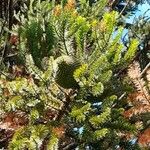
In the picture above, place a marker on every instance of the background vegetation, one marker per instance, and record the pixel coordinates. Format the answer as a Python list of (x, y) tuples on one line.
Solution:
[(70, 80)]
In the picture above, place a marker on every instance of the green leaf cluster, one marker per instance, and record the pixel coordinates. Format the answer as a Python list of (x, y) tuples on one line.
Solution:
[(53, 40)]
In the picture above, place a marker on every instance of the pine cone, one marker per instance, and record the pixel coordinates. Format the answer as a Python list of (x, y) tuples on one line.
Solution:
[(64, 67)]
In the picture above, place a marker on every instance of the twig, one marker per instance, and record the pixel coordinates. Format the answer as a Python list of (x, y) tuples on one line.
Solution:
[(70, 146), (124, 8), (122, 96), (145, 69), (3, 53), (65, 107)]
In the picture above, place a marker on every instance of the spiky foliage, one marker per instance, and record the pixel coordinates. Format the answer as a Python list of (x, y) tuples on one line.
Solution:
[(52, 116), (141, 30), (36, 34), (139, 101)]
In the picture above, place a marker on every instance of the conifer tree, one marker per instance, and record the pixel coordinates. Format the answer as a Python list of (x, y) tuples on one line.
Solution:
[(68, 94)]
